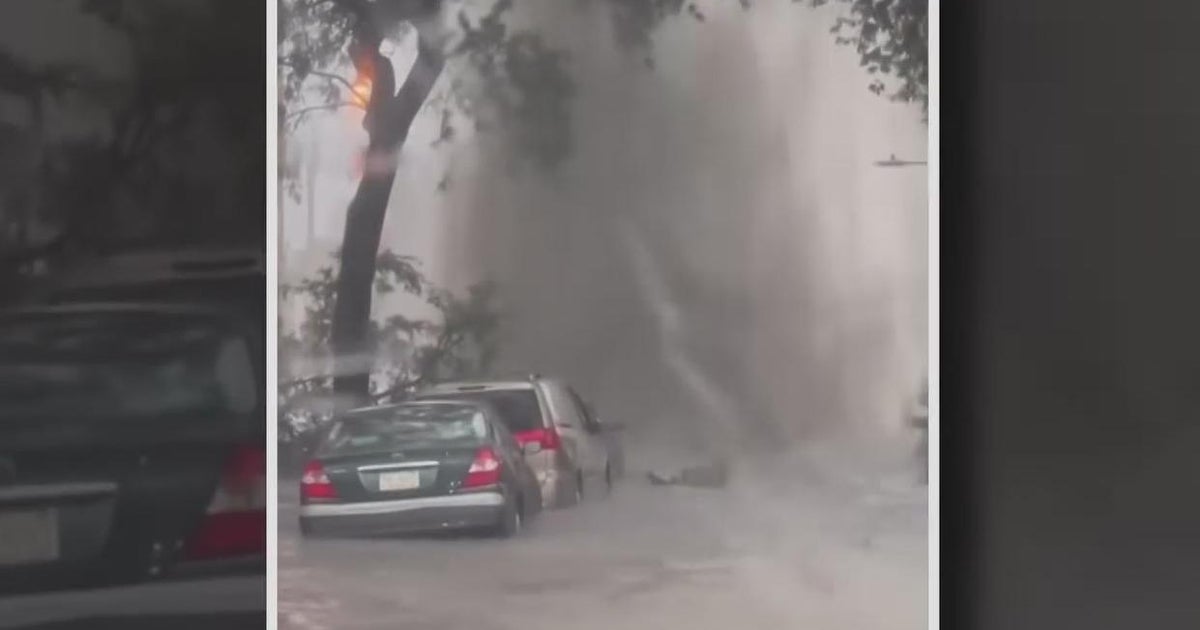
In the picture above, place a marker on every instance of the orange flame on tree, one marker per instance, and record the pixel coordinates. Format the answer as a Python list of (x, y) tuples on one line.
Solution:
[(360, 92)]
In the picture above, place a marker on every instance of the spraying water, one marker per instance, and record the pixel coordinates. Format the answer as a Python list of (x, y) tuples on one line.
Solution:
[(720, 251), (655, 292)]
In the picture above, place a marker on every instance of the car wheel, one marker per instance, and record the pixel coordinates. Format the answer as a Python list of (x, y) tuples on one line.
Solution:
[(511, 521)]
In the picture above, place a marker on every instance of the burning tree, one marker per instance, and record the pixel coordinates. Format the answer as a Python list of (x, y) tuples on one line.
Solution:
[(505, 79)]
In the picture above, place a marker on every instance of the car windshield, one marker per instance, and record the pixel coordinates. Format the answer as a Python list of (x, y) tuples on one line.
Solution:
[(114, 365), (408, 426), (518, 408)]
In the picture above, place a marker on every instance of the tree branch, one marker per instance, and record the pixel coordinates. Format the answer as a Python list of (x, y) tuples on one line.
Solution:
[(361, 9), (412, 94), (324, 75), (305, 381), (333, 77), (316, 108)]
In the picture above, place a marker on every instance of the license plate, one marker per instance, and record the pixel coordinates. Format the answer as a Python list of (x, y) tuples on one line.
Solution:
[(393, 481), (28, 536)]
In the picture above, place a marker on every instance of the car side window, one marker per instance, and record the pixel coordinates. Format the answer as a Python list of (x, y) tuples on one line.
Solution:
[(505, 439), (589, 422), (562, 407)]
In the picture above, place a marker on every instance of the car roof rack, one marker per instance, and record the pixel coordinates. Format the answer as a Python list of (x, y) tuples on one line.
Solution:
[(502, 376), (481, 383)]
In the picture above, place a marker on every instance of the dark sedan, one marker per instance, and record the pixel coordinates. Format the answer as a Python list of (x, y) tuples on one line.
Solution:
[(418, 467), (131, 445)]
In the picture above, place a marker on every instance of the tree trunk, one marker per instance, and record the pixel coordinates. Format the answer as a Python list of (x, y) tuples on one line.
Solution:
[(356, 275), (364, 226)]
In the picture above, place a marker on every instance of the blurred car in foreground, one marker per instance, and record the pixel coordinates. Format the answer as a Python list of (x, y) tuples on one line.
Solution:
[(228, 602), (418, 467), (193, 621), (233, 280), (568, 448), (131, 445)]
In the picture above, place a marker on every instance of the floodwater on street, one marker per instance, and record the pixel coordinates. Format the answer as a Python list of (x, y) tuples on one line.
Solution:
[(754, 555)]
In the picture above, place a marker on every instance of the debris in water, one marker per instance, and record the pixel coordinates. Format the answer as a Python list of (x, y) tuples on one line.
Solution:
[(715, 475)]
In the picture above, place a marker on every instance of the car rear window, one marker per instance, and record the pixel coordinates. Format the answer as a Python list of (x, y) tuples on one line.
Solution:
[(83, 365), (409, 426), (241, 295), (518, 408)]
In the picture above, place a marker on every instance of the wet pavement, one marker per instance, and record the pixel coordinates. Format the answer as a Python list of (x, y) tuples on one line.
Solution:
[(645, 557)]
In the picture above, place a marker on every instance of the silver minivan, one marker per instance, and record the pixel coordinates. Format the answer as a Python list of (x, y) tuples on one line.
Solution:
[(570, 451)]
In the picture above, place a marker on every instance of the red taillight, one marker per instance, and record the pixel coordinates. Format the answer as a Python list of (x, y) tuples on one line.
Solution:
[(315, 483), (484, 471), (547, 438), (235, 523)]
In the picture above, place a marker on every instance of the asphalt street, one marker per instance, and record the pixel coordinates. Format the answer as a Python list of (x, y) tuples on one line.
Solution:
[(784, 554)]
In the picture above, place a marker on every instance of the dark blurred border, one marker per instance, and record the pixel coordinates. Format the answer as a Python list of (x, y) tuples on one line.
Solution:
[(959, 145), (189, 79), (1071, 316), (225, 621)]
